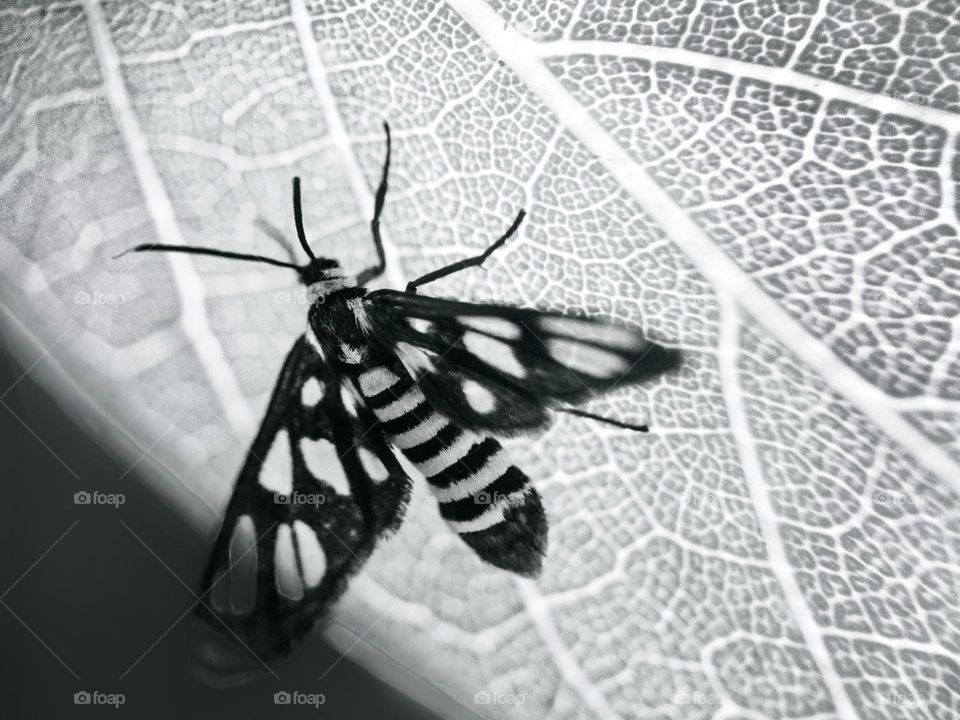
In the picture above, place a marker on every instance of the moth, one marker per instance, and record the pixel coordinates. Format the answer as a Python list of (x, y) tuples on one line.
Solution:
[(381, 372)]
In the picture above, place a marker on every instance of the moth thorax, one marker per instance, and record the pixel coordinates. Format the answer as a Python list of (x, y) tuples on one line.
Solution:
[(331, 282)]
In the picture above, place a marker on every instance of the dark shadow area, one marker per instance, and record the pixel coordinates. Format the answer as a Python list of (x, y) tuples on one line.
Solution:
[(88, 607)]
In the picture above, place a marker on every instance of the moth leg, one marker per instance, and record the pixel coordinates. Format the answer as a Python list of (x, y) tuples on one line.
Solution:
[(375, 271), (475, 261)]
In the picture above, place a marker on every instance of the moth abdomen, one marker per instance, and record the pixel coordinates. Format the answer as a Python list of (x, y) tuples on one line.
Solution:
[(517, 542), (483, 497), (491, 504), (392, 370)]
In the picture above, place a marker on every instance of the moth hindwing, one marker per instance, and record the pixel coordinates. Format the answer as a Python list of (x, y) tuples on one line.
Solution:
[(378, 373), (292, 537)]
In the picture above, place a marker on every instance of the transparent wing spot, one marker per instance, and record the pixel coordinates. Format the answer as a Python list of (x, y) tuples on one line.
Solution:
[(375, 469), (421, 325), (479, 398), (220, 594), (501, 327), (312, 557), (416, 360), (601, 333), (323, 463), (312, 392), (348, 396), (243, 566), (286, 575), (494, 352), (587, 359), (276, 473)]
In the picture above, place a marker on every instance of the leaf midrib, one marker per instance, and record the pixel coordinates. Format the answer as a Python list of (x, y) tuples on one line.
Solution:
[(726, 278), (723, 274)]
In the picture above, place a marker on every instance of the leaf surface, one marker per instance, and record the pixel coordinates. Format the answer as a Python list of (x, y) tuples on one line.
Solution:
[(772, 187)]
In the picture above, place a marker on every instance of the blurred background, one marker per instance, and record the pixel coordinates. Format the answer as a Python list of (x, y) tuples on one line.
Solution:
[(94, 597)]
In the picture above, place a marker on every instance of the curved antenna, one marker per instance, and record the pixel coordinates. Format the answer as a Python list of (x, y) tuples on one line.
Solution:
[(191, 250), (298, 219)]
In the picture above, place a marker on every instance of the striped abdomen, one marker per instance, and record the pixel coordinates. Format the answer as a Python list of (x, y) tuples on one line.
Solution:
[(488, 501)]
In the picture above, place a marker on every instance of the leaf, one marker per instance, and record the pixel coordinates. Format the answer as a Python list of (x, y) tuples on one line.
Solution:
[(770, 186)]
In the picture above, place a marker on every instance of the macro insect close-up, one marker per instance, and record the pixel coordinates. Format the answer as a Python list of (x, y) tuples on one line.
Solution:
[(424, 375), (481, 359)]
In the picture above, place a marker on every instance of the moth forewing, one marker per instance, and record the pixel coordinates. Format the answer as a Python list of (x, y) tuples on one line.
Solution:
[(374, 374)]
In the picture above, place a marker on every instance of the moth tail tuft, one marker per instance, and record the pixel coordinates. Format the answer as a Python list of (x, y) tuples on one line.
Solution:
[(519, 542)]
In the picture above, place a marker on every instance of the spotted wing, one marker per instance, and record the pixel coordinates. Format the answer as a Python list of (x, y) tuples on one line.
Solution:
[(318, 488), (499, 368)]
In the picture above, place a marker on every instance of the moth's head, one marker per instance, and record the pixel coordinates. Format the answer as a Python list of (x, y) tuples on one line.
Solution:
[(321, 275), (319, 270)]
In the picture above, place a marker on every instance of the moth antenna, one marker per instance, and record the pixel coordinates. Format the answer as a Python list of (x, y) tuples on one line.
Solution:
[(298, 219), (191, 250), (608, 421)]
